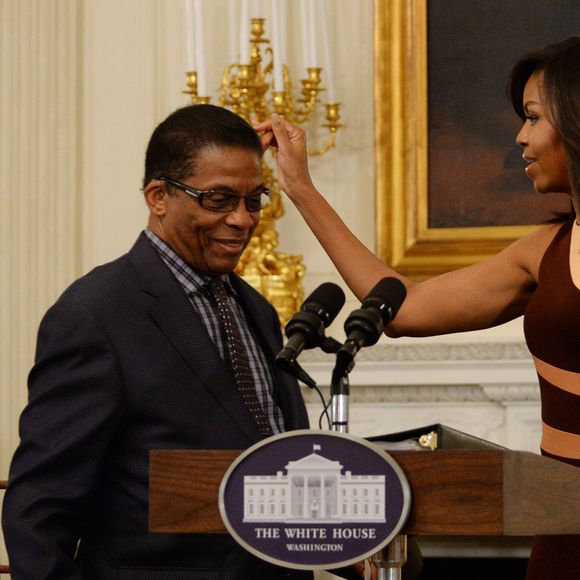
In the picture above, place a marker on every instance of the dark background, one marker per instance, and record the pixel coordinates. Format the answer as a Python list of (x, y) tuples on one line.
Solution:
[(476, 173), (474, 569)]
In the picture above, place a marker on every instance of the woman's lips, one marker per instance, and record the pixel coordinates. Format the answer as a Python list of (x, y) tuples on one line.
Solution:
[(529, 163)]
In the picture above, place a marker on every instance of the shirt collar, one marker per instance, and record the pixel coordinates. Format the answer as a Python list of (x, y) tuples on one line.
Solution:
[(178, 265)]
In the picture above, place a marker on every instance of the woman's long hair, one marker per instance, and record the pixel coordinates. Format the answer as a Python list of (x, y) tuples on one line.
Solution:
[(560, 64)]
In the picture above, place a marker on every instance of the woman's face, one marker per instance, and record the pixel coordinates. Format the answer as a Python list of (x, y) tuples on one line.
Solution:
[(544, 152)]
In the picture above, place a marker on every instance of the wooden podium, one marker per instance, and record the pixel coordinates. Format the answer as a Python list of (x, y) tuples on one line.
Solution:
[(472, 489)]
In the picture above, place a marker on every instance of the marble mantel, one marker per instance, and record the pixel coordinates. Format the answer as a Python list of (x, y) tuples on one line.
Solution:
[(487, 389)]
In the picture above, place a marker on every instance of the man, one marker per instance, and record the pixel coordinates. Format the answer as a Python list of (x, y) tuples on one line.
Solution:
[(132, 357)]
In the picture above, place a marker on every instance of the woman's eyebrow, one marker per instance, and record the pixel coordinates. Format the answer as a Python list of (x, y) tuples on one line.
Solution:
[(529, 104)]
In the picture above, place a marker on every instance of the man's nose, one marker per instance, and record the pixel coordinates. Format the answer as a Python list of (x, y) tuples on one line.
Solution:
[(240, 217)]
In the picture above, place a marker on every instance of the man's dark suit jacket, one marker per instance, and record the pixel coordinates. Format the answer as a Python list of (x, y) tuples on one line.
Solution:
[(123, 366)]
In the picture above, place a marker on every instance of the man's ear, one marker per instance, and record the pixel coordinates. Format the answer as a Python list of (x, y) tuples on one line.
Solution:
[(155, 196)]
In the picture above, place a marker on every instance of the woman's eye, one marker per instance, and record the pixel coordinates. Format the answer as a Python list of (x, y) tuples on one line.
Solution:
[(532, 119)]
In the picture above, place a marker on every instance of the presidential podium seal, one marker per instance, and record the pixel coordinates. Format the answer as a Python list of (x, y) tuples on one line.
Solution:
[(314, 499)]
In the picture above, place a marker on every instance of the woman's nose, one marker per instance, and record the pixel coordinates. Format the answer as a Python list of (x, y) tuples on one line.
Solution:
[(522, 136)]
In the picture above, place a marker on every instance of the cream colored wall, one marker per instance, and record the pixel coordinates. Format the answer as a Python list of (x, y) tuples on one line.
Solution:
[(40, 163), (83, 83), (136, 77)]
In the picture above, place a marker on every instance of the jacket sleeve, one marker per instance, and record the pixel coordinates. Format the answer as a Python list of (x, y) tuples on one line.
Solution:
[(74, 409)]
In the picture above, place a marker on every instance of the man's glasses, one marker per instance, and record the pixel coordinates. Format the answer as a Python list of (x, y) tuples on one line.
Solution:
[(223, 201)]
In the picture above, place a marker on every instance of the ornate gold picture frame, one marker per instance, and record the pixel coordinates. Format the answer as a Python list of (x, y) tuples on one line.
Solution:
[(404, 239)]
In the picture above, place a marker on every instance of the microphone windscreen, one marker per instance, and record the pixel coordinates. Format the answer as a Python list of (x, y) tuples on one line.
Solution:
[(387, 295), (326, 301)]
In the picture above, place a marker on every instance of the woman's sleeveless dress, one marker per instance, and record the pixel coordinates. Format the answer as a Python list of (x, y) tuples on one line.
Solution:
[(552, 329)]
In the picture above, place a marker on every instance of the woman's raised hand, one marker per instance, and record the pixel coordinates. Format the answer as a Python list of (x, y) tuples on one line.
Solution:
[(289, 143)]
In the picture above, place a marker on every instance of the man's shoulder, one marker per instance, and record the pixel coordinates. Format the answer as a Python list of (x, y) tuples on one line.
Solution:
[(102, 279), (114, 279)]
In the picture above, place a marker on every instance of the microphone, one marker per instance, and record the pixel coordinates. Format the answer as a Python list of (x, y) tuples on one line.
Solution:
[(364, 326), (306, 328)]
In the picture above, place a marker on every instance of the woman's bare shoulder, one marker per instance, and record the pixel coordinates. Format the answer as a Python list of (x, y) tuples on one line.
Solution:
[(530, 249)]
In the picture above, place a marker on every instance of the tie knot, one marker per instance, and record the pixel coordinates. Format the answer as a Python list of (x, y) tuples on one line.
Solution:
[(217, 287)]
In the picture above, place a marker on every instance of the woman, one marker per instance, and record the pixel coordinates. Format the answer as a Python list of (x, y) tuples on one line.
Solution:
[(538, 276)]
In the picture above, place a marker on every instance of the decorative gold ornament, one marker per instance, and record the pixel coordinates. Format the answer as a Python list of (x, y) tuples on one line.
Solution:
[(429, 441), (245, 90), (192, 89)]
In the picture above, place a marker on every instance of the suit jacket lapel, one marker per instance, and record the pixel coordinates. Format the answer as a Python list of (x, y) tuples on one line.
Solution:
[(257, 316), (286, 389), (181, 325)]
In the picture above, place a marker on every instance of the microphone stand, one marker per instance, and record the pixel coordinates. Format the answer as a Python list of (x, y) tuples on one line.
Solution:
[(340, 392), (390, 560)]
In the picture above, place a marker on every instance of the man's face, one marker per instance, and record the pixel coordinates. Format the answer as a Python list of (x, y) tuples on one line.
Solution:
[(209, 241)]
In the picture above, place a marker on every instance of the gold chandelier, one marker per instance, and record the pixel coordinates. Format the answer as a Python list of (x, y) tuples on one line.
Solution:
[(254, 91)]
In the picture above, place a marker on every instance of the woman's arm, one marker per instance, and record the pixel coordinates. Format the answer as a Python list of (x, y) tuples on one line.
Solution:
[(480, 296)]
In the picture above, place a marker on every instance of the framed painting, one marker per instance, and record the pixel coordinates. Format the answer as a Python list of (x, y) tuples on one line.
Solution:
[(450, 183)]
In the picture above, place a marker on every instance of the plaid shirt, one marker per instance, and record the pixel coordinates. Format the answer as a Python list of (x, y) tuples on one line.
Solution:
[(193, 284)]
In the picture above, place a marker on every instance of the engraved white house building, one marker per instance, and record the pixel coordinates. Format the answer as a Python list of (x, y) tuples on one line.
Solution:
[(314, 489)]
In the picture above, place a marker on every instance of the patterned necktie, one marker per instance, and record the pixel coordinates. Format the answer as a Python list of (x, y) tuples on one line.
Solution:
[(238, 357)]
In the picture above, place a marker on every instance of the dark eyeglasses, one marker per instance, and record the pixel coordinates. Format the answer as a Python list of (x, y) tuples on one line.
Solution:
[(223, 201)]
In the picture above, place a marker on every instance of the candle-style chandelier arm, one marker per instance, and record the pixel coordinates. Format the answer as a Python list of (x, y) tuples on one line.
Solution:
[(249, 91), (192, 90), (332, 124)]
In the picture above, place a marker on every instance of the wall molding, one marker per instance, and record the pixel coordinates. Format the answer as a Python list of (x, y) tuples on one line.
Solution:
[(482, 364)]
